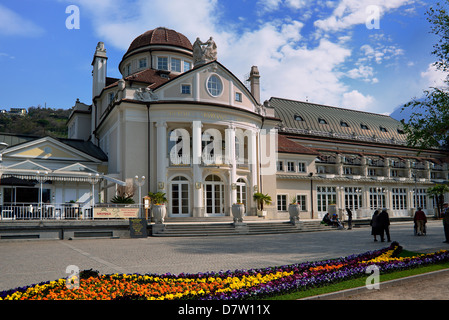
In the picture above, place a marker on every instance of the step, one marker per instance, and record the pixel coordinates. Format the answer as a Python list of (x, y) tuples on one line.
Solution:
[(217, 229)]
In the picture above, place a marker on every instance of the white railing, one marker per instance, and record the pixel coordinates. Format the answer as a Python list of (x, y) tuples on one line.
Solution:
[(36, 211)]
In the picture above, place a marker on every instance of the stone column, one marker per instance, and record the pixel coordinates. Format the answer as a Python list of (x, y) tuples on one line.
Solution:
[(161, 144), (198, 185), (230, 158)]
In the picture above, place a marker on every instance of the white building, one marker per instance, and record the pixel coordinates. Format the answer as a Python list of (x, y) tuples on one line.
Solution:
[(182, 120)]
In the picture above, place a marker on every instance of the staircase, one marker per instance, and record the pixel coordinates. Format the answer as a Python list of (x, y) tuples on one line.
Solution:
[(228, 229)]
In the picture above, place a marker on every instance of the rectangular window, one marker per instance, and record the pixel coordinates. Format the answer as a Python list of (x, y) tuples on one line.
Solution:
[(302, 201), (353, 198), (348, 170), (187, 66), (420, 198), (110, 97), (372, 172), (290, 166), (325, 196), (143, 63), (282, 202), (175, 65), (301, 167), (238, 97), (185, 88), (377, 198), (128, 69), (280, 166), (399, 198), (162, 63)]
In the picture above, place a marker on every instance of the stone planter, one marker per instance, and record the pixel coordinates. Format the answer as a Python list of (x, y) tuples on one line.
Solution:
[(293, 211), (159, 212), (238, 210)]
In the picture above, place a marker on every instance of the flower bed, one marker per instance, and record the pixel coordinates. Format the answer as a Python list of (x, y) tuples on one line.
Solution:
[(239, 284)]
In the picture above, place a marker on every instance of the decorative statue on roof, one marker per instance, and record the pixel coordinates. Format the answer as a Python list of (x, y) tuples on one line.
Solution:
[(204, 52), (145, 94)]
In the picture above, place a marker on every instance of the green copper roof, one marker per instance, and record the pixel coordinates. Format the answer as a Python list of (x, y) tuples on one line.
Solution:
[(315, 119)]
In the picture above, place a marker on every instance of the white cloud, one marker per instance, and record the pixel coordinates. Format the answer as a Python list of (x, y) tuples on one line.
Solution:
[(355, 100), (433, 77), (349, 13), (12, 24)]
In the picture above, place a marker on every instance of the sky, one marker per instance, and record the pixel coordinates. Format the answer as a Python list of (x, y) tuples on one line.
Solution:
[(369, 55)]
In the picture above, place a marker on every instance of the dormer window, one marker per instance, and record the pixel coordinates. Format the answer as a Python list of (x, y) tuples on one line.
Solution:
[(344, 124), (382, 129), (364, 126), (298, 118), (322, 121), (400, 131)]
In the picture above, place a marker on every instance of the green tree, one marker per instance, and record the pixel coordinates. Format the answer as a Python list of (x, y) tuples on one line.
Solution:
[(428, 126), (438, 192)]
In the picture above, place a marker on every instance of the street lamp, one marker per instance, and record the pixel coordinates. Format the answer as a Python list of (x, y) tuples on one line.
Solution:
[(42, 176), (140, 182)]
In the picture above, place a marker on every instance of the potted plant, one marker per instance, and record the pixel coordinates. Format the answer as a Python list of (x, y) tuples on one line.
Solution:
[(261, 199), (238, 210), (123, 199), (158, 208), (293, 210)]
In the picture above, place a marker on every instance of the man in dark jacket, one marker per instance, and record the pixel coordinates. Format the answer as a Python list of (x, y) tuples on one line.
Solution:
[(445, 215), (384, 222)]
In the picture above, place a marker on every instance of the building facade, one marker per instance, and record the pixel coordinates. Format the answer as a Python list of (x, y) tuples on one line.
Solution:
[(186, 123)]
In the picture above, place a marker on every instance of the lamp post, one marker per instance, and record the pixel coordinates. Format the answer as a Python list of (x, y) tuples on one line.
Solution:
[(311, 192), (93, 180), (140, 182)]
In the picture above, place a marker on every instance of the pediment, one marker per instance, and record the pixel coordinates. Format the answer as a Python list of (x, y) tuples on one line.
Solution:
[(28, 165), (197, 79), (47, 148), (77, 167)]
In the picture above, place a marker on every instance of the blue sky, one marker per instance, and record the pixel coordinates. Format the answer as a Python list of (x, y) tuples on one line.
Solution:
[(315, 50)]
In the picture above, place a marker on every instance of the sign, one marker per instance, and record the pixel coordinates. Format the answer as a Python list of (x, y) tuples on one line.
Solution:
[(114, 212), (138, 228)]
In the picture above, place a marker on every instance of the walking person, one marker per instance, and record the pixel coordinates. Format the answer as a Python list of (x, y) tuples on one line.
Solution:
[(349, 212), (384, 221), (445, 215), (420, 220), (375, 225)]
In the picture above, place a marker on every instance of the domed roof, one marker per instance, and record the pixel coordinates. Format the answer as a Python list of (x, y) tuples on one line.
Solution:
[(161, 36)]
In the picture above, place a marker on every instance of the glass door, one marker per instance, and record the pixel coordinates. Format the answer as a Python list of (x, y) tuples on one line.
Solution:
[(179, 197), (214, 196)]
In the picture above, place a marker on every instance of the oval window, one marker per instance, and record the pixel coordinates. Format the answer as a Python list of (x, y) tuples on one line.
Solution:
[(214, 85)]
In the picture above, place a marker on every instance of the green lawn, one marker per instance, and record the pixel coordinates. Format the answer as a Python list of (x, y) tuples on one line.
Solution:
[(360, 282)]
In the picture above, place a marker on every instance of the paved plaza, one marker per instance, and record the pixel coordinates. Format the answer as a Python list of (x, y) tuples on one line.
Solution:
[(28, 262)]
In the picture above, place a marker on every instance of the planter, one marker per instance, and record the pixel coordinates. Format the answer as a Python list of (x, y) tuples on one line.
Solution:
[(159, 212), (293, 210), (238, 210), (261, 213)]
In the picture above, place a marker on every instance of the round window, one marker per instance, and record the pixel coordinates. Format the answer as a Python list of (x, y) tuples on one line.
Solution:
[(214, 85)]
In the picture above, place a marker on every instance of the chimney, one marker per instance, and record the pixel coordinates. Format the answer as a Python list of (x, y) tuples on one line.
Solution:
[(99, 69), (254, 79)]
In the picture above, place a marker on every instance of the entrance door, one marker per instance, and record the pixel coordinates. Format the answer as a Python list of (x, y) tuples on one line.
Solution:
[(214, 196), (179, 197)]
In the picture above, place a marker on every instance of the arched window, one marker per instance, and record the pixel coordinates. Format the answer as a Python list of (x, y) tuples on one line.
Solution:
[(179, 196)]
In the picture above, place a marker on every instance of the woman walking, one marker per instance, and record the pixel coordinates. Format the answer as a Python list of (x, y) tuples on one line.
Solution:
[(375, 225)]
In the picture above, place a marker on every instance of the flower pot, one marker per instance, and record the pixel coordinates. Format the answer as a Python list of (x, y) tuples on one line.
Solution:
[(293, 211), (238, 210), (159, 212)]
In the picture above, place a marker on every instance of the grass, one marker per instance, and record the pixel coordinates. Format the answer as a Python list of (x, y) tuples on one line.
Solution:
[(360, 282)]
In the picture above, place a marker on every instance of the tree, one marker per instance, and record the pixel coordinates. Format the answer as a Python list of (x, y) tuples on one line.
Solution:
[(428, 125), (438, 192), (261, 199)]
